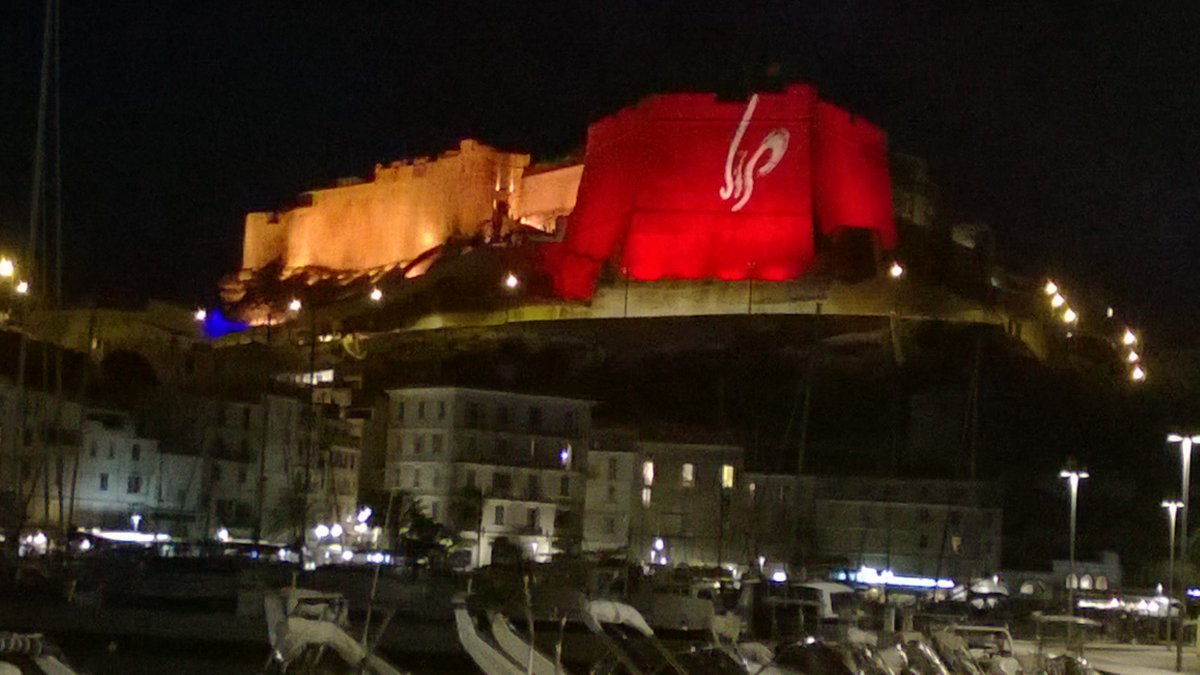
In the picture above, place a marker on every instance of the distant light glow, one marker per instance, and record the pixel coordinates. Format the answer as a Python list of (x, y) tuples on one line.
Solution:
[(659, 544), (132, 537), (1137, 374), (364, 514), (1132, 357), (201, 314), (321, 531), (875, 577), (223, 534), (376, 295), (1057, 301), (896, 270), (1050, 288), (22, 287), (336, 530), (1109, 312), (215, 325), (347, 556), (85, 545), (361, 528), (511, 281), (1129, 339), (1069, 316), (135, 520), (7, 268), (1193, 592), (295, 305), (779, 576)]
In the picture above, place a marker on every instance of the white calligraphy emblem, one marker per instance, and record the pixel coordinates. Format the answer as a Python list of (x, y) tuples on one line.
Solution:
[(740, 173)]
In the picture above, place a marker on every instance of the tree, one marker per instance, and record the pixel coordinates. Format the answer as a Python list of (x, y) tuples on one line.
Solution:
[(467, 512)]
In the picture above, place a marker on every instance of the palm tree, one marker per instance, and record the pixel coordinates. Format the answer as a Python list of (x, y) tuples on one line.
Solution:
[(467, 511)]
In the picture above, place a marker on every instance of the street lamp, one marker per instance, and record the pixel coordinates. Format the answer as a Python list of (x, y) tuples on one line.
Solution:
[(896, 270), (1050, 288), (7, 268), (1073, 476), (511, 281), (1069, 316), (1185, 459), (22, 287), (376, 295), (201, 314), (1172, 506)]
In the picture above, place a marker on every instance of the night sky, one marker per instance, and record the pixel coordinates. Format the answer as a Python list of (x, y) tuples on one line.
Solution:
[(1076, 136)]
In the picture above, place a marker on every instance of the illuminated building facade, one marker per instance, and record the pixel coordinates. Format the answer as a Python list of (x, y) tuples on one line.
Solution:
[(680, 186), (495, 465)]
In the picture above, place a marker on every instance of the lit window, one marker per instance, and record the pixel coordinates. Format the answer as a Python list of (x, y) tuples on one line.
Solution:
[(1085, 582), (648, 473), (688, 477), (646, 496), (727, 476)]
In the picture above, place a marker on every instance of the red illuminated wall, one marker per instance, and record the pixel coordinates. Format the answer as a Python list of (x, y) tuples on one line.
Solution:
[(685, 187)]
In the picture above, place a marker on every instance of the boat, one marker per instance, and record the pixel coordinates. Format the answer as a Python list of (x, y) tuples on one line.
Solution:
[(32, 654), (308, 630)]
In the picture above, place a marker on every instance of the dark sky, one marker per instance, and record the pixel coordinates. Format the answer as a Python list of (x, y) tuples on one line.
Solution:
[(1075, 135)]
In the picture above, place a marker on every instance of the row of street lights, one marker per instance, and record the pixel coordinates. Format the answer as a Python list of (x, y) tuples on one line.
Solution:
[(510, 282), (1128, 339), (1177, 515)]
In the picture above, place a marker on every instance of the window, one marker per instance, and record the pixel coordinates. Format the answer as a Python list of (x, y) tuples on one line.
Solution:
[(441, 410), (433, 511), (535, 418), (646, 496), (400, 411), (569, 422), (435, 443), (501, 484), (1085, 582), (418, 444), (924, 541), (648, 473), (502, 415), (502, 447), (241, 475), (134, 485), (92, 452), (926, 516), (727, 476), (498, 515), (610, 525), (416, 478), (470, 478), (612, 494), (112, 450), (564, 486), (104, 482), (531, 519), (216, 473), (535, 487), (135, 452), (472, 414), (688, 477), (420, 410), (612, 468)]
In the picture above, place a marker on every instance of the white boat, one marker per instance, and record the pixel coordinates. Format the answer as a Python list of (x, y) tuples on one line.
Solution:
[(309, 628), (30, 653)]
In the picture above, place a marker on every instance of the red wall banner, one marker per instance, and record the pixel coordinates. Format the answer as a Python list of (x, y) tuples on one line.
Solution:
[(683, 186)]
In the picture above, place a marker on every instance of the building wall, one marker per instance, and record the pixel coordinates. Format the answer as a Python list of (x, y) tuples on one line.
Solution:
[(524, 456), (610, 503), (701, 519), (404, 210)]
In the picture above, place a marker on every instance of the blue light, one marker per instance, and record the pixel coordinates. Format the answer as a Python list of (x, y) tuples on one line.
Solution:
[(216, 325)]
